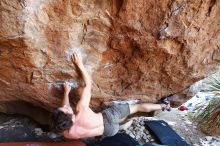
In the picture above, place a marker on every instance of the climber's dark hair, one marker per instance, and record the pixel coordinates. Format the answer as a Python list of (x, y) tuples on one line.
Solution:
[(60, 121)]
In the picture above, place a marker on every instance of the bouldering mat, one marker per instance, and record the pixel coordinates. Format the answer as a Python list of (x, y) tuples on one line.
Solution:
[(165, 134)]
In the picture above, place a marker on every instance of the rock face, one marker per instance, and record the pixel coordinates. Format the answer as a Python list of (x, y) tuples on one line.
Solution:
[(132, 49)]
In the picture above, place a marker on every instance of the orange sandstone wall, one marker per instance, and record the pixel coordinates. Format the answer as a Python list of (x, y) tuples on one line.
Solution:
[(133, 49)]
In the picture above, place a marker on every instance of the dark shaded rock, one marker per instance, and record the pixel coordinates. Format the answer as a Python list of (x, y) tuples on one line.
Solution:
[(16, 128)]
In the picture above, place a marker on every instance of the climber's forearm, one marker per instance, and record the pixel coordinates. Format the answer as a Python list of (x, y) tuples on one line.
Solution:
[(86, 93), (66, 99), (85, 76)]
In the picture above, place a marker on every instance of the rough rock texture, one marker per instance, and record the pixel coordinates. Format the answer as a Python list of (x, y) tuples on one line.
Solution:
[(133, 49), (17, 128)]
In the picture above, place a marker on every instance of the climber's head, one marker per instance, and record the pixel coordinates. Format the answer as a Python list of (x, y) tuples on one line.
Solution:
[(62, 119)]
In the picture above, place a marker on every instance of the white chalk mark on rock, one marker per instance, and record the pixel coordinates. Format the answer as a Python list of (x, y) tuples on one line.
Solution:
[(73, 84), (79, 51)]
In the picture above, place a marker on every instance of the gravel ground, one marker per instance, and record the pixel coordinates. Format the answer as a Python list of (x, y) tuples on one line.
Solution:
[(179, 121)]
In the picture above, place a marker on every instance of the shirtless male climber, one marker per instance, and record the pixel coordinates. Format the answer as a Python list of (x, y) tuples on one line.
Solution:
[(86, 123)]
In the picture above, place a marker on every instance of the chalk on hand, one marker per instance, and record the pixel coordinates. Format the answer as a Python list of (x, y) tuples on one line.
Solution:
[(80, 52), (73, 84)]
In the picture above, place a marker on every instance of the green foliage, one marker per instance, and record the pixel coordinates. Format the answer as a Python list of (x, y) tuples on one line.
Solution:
[(208, 118), (212, 83)]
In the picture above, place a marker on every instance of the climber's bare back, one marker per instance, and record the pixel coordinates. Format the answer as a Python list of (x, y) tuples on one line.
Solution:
[(87, 124)]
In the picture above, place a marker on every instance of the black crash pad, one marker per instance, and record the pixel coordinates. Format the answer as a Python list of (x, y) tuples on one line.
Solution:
[(165, 134)]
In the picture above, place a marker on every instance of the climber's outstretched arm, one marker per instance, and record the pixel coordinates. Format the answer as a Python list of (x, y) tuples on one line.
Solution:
[(67, 89), (86, 91)]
